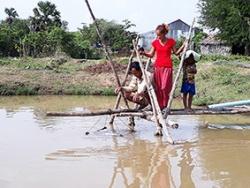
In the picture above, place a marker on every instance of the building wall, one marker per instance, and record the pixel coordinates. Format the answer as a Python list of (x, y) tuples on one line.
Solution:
[(178, 29), (146, 39), (216, 49)]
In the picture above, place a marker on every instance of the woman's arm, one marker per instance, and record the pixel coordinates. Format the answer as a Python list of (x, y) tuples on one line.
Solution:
[(177, 52), (149, 54)]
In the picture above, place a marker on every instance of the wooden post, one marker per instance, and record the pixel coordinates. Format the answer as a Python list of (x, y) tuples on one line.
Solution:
[(148, 64), (105, 49), (156, 109), (178, 73)]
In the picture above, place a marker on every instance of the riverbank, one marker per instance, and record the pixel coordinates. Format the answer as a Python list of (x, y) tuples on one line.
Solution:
[(219, 79)]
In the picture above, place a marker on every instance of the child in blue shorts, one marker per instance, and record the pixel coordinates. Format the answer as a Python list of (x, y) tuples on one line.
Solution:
[(188, 82)]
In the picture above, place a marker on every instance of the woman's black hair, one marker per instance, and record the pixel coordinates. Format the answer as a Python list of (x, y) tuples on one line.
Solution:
[(135, 65)]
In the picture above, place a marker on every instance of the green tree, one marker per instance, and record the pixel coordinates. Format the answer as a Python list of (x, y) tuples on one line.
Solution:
[(12, 14), (11, 37), (231, 18), (45, 16), (198, 37), (44, 33), (117, 36)]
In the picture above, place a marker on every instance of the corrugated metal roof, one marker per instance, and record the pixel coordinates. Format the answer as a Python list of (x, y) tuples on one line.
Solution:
[(212, 39)]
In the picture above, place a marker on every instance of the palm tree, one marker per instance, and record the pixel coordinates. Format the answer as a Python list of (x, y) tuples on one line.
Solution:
[(45, 15), (12, 14)]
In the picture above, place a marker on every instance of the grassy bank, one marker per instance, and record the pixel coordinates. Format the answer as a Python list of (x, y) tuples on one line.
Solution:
[(49, 76), (222, 80), (219, 78)]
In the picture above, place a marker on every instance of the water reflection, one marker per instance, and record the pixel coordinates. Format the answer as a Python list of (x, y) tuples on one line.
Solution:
[(140, 163), (148, 164), (186, 166)]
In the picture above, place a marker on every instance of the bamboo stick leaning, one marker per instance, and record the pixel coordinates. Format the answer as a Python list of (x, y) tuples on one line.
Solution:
[(118, 99), (105, 49), (160, 122)]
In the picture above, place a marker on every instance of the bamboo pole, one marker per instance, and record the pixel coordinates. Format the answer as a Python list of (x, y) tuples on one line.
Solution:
[(105, 49), (156, 109), (85, 114), (118, 99), (183, 113), (134, 112), (178, 73), (148, 64)]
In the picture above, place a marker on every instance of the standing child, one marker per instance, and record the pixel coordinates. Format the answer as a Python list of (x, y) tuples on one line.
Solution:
[(188, 81)]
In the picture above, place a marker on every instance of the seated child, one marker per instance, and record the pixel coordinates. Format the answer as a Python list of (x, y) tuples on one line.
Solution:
[(188, 81)]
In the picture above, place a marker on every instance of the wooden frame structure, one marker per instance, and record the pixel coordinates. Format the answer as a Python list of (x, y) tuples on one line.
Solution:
[(156, 112)]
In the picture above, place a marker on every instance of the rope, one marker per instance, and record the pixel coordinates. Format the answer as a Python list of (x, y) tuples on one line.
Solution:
[(88, 132)]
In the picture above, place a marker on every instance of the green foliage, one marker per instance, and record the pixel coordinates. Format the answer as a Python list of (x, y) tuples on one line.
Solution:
[(44, 34), (198, 37), (12, 14), (8, 90), (179, 42), (116, 36), (45, 16), (239, 58), (11, 36), (232, 19), (220, 83)]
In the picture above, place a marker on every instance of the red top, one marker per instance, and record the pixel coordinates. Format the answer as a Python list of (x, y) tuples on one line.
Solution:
[(163, 53)]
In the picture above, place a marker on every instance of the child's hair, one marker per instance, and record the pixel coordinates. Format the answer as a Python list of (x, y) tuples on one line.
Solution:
[(190, 60), (135, 65), (163, 28)]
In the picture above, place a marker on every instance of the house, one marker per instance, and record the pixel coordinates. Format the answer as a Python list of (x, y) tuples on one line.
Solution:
[(212, 45), (177, 29)]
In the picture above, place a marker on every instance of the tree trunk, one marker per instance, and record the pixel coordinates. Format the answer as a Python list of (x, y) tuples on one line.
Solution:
[(247, 49)]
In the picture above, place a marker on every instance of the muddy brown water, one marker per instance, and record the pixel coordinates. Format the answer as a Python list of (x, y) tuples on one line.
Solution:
[(53, 152)]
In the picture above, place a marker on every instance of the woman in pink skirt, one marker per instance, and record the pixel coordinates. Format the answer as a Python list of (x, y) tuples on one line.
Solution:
[(163, 48)]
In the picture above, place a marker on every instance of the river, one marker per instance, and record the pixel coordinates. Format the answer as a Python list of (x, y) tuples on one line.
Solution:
[(54, 152)]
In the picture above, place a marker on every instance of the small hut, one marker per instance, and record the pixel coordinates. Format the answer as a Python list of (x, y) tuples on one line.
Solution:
[(212, 45)]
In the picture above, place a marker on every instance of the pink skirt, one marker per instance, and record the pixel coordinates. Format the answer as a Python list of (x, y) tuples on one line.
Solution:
[(163, 84)]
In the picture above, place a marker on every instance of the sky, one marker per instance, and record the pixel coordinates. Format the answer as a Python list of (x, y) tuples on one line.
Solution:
[(145, 14)]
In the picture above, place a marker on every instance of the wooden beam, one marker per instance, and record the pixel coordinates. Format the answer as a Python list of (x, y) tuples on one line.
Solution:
[(132, 112), (85, 114)]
